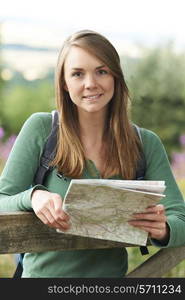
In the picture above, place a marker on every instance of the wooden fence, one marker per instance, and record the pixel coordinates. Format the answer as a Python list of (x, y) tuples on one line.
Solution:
[(23, 232)]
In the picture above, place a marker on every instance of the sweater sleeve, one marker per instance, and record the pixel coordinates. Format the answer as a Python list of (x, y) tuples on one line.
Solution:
[(16, 181), (158, 168)]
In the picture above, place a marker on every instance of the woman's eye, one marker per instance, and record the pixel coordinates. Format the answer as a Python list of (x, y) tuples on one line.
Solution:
[(102, 72), (77, 74)]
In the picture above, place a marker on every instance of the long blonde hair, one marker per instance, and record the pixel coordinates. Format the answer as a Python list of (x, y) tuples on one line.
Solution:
[(123, 146)]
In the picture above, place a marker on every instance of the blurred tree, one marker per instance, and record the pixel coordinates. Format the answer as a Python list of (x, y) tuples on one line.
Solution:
[(156, 84), (23, 100), (158, 94)]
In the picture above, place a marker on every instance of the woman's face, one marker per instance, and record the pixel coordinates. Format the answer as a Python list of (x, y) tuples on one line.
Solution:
[(89, 81)]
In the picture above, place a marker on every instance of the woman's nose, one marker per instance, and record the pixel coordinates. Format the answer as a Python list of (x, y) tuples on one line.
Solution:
[(90, 82)]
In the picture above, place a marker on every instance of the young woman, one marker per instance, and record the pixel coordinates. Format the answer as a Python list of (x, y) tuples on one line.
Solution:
[(96, 139)]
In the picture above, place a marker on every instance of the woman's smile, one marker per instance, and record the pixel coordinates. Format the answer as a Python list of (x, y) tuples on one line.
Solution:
[(92, 97)]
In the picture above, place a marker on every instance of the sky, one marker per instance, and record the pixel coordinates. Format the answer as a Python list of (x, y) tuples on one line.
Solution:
[(128, 24), (42, 22)]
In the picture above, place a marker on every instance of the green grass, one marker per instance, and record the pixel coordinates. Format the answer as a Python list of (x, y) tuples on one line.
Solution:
[(7, 265), (135, 259)]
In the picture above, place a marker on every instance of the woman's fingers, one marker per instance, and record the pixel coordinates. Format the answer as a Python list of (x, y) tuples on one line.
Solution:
[(59, 218), (47, 218), (56, 206), (53, 221), (153, 221), (146, 223), (150, 217), (48, 207), (158, 209), (156, 230), (153, 213), (155, 233)]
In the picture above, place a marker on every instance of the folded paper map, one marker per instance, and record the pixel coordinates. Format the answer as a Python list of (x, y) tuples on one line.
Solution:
[(100, 208)]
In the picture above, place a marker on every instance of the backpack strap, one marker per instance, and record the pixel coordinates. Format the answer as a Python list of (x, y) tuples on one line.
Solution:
[(19, 268), (48, 152)]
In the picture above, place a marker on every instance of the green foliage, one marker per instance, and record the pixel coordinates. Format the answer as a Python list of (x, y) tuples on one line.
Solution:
[(157, 89), (20, 101)]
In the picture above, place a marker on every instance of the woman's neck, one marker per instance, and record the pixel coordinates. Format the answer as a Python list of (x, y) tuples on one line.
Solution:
[(92, 128)]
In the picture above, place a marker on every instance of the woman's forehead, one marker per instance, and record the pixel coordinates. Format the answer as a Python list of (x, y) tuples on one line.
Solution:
[(80, 58)]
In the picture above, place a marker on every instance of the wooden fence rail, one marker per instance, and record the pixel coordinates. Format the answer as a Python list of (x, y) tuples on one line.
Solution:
[(23, 232)]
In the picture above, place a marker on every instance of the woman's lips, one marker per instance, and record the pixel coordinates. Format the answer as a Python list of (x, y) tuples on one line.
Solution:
[(92, 97)]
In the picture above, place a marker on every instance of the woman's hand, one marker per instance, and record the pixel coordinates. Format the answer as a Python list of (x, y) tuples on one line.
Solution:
[(48, 208), (153, 221)]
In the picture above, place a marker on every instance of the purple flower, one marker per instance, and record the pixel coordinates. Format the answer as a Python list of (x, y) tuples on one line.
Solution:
[(182, 140), (11, 140), (178, 165), (1, 132), (6, 147)]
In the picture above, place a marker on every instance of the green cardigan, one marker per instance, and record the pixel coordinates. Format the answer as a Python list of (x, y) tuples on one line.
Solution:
[(15, 195)]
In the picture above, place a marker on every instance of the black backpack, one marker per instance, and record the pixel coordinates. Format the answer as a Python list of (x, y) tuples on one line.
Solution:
[(44, 168)]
